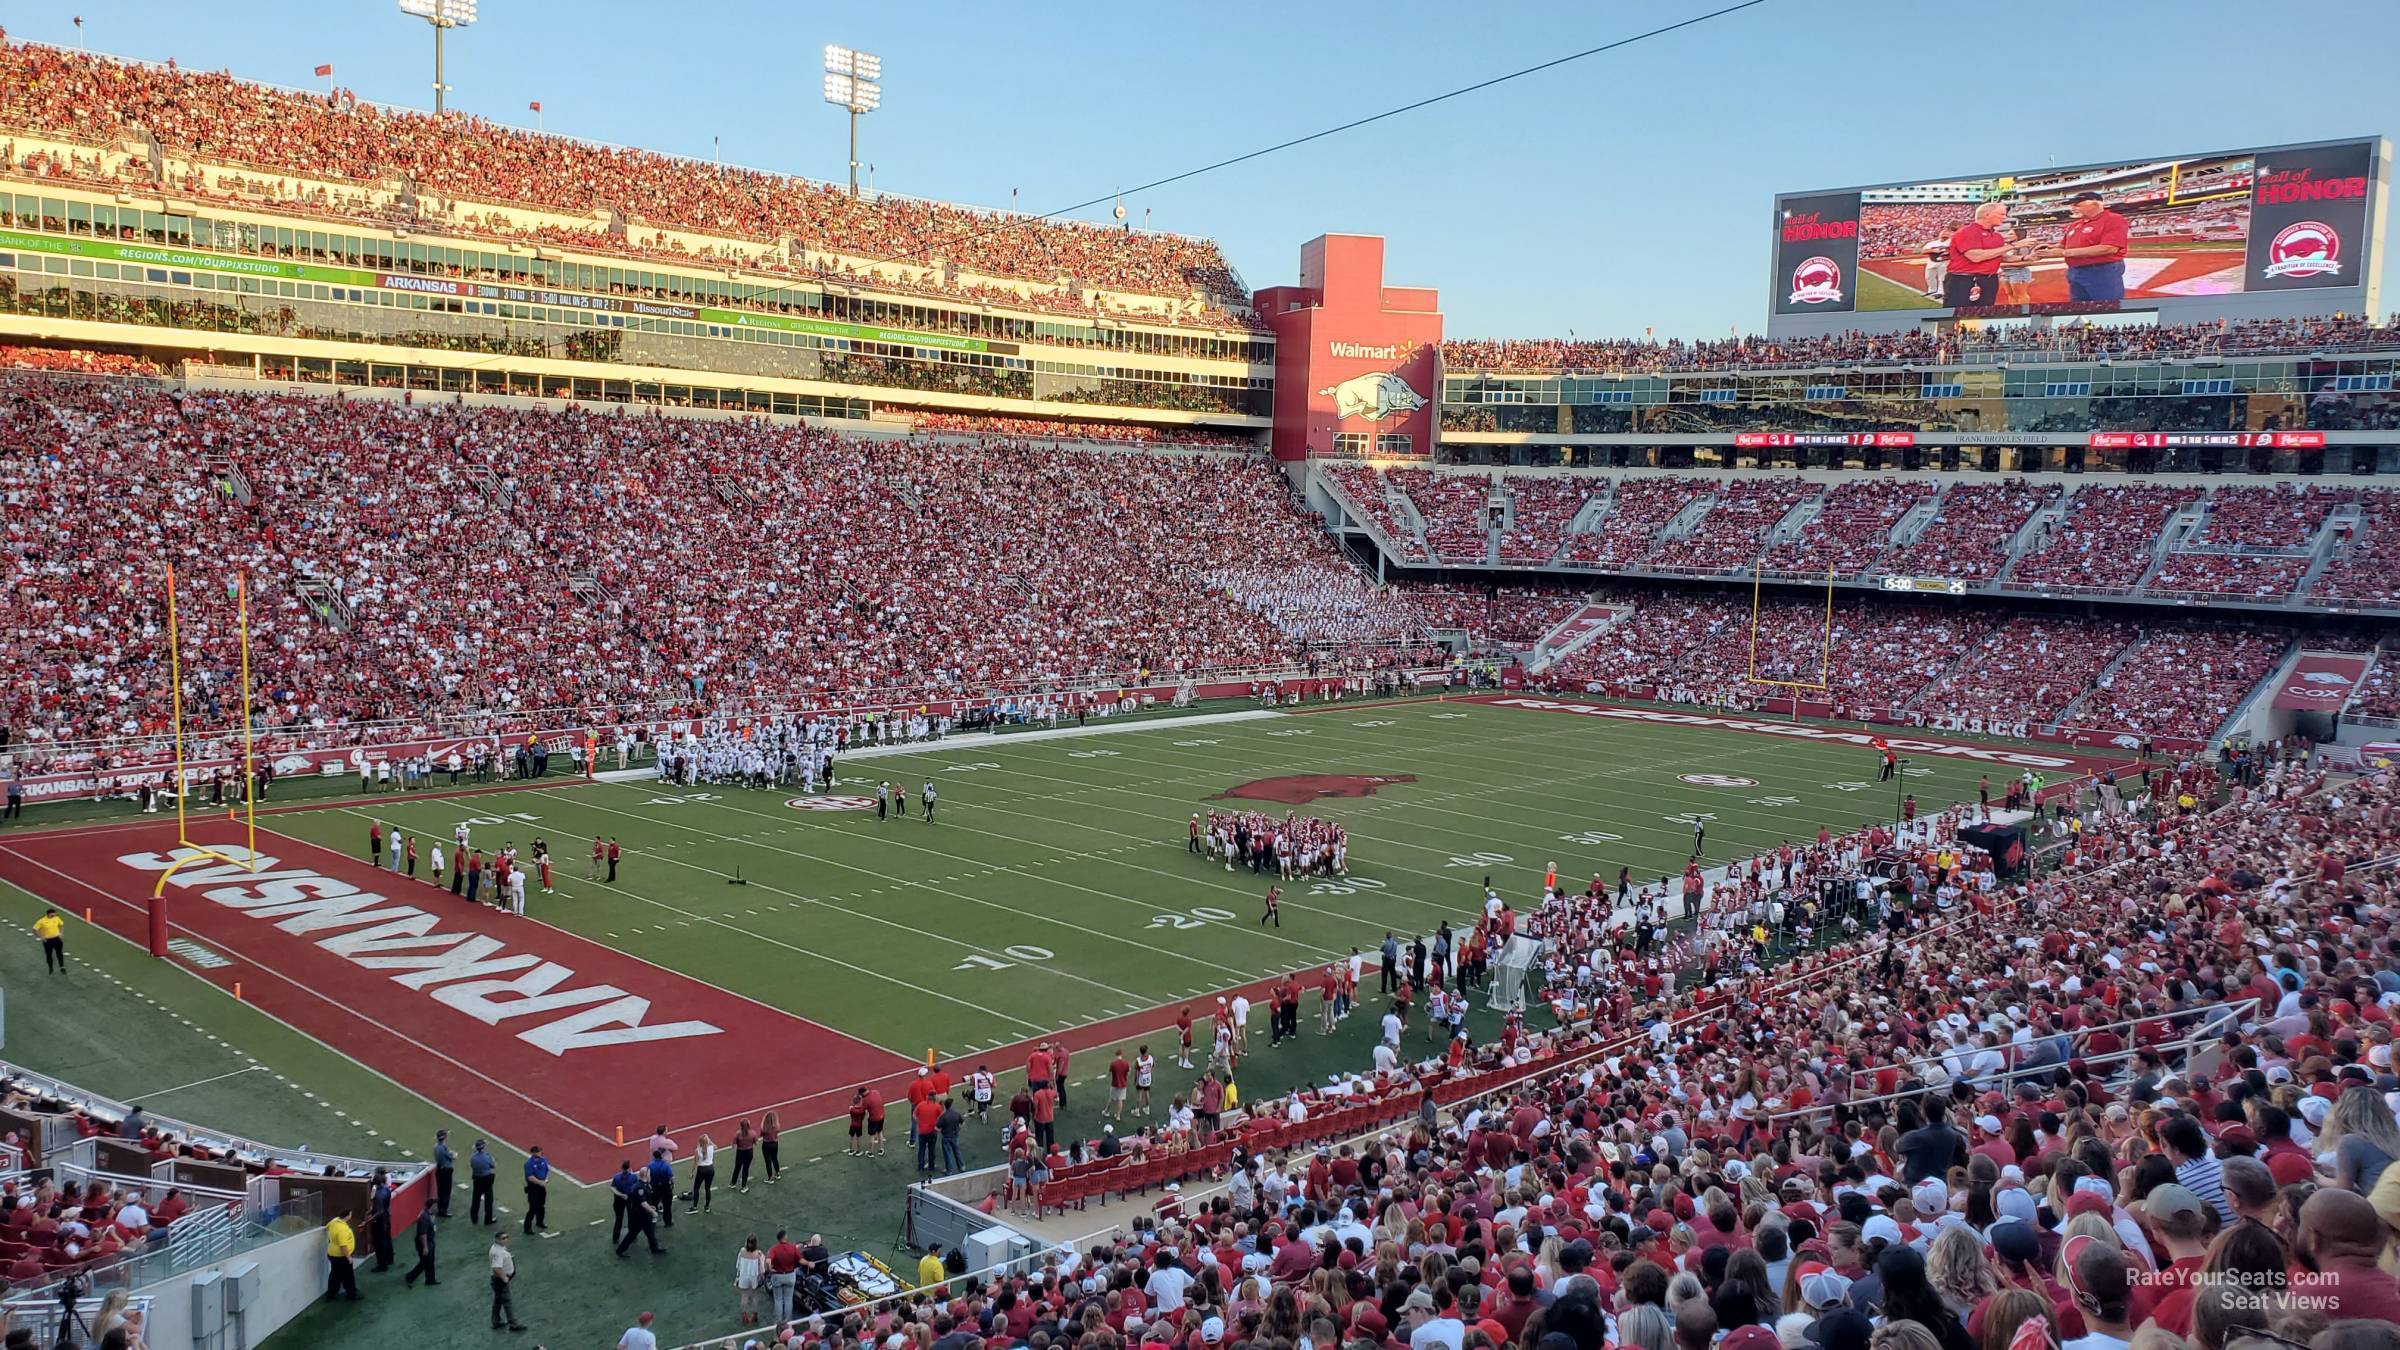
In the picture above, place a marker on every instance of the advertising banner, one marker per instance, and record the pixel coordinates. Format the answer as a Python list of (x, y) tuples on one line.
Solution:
[(2321, 682)]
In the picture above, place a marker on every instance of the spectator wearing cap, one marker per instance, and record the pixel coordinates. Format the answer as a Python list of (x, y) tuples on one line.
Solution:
[(2181, 1225), (2017, 1259), (2093, 248), (1431, 1326), (2104, 1295)]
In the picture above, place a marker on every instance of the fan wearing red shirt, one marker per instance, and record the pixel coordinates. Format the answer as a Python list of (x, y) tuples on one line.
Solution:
[(2094, 250), (1976, 249)]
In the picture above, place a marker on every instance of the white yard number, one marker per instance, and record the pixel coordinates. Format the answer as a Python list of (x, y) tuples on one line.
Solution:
[(978, 961), (1847, 787), (1774, 801), (1446, 716), (1351, 886), (1477, 859), (1591, 837), (1916, 771), (970, 766), (1203, 740), (1199, 916), (1378, 722), (665, 801), (1295, 731), (500, 819), (1691, 818), (1092, 754)]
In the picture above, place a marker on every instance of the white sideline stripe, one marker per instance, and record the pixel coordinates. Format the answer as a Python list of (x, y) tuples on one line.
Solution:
[(971, 740), (200, 1082)]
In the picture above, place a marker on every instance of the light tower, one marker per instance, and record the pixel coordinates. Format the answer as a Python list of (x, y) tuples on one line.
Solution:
[(443, 15), (853, 81)]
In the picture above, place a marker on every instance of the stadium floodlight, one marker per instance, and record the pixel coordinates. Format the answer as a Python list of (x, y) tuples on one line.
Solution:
[(443, 15), (853, 82)]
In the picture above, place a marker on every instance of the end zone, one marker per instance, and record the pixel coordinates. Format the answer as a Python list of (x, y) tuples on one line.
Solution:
[(530, 1032)]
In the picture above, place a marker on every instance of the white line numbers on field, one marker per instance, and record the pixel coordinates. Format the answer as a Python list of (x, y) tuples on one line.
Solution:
[(1021, 952)]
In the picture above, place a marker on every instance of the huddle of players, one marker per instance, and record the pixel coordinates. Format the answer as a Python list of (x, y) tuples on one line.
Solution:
[(781, 755), (1296, 846)]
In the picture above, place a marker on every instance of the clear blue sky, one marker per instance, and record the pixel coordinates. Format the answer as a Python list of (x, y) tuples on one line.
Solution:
[(1627, 191)]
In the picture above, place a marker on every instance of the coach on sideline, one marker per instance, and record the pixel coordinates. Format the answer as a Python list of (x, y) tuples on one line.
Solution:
[(2094, 250)]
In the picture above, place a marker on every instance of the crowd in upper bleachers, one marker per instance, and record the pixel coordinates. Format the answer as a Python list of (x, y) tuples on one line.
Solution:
[(354, 149), (2083, 342)]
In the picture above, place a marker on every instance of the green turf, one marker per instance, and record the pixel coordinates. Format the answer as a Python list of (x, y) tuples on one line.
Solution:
[(1876, 291), (1055, 889), (901, 933)]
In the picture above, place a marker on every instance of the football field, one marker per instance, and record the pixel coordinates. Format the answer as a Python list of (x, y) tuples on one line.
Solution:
[(761, 950)]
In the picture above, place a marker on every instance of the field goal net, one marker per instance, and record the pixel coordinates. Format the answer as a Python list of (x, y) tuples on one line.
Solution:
[(1512, 972)]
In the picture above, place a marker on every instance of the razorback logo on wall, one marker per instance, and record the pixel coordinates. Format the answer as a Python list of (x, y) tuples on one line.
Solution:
[(1295, 789), (1357, 362)]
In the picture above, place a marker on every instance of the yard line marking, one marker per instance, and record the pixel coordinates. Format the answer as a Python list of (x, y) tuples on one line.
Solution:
[(1035, 915), (1315, 951)]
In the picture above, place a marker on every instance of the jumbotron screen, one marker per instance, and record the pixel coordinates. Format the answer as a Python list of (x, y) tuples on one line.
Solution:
[(2085, 239)]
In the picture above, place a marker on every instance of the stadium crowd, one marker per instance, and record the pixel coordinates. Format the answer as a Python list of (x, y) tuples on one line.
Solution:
[(421, 561), (337, 141), (2082, 342)]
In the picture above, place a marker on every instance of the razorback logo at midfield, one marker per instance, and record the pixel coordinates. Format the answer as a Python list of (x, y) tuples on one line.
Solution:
[(1294, 789)]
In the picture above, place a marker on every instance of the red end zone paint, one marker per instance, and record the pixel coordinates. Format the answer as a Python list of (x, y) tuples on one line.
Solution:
[(536, 1034)]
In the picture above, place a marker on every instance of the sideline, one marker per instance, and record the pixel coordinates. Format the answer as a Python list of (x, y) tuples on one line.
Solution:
[(973, 740)]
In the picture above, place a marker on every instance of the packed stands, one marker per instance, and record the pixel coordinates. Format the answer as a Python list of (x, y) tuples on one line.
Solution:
[(1639, 511), (1541, 508), (431, 560), (2024, 675), (2278, 517), (1511, 615), (1852, 528), (1699, 649), (2106, 539), (1734, 531), (349, 150), (1367, 490), (1114, 433), (2065, 342), (2366, 568), (2242, 576), (74, 361), (1968, 539), (1454, 508), (2182, 681)]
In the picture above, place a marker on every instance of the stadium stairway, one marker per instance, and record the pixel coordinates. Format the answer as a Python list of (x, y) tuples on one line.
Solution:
[(2341, 523), (2265, 687), (1573, 633), (2067, 715), (2186, 522), (1907, 529), (2028, 535)]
